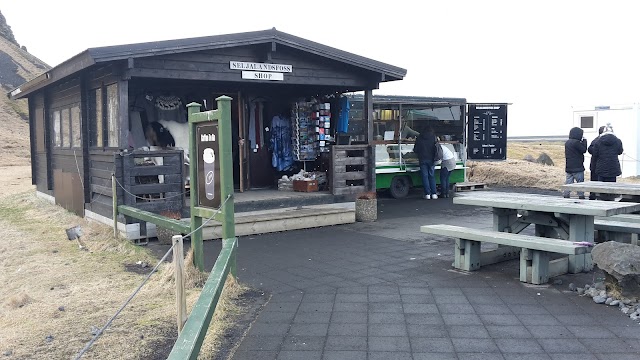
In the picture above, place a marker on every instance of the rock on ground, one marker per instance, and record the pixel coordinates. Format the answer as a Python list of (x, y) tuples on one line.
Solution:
[(621, 263)]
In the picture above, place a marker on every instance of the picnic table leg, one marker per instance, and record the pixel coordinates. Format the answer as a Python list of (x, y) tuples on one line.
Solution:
[(467, 255), (503, 219), (634, 239), (580, 229)]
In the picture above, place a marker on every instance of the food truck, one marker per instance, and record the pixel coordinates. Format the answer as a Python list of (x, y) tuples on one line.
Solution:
[(397, 122)]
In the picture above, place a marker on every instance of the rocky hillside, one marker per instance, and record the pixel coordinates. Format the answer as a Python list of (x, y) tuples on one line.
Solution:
[(16, 67)]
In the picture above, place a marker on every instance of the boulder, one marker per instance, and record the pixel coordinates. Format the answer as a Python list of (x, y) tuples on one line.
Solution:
[(621, 264)]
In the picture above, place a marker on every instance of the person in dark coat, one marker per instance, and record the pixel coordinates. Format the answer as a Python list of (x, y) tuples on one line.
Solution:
[(592, 163), (424, 149), (574, 150), (606, 150)]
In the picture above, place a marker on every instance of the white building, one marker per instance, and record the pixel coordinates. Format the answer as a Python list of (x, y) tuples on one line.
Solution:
[(625, 120)]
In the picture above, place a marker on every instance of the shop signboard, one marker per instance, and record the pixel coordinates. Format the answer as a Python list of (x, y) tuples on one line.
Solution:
[(208, 165), (241, 65), (487, 131), (262, 75)]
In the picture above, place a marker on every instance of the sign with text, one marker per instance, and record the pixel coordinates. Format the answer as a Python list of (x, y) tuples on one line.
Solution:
[(261, 75), (240, 65), (487, 131), (208, 161)]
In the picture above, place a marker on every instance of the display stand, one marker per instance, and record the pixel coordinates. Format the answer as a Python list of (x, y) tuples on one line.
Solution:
[(304, 132)]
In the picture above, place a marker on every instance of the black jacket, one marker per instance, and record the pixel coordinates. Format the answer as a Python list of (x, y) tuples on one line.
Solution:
[(592, 163), (424, 147), (606, 151), (574, 150)]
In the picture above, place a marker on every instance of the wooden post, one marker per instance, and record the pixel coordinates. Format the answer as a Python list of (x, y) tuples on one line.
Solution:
[(241, 147), (368, 115), (178, 262), (226, 173), (114, 194), (196, 222)]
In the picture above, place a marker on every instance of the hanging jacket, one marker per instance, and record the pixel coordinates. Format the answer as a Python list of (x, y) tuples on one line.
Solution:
[(574, 150), (424, 146), (606, 151), (282, 154)]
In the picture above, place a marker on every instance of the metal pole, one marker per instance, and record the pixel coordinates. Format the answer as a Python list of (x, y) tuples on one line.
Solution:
[(226, 172), (196, 222)]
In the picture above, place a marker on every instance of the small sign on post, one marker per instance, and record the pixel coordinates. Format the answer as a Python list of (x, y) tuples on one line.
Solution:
[(208, 165)]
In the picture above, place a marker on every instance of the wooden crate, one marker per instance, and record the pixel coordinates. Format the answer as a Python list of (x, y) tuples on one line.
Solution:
[(352, 173), (305, 186)]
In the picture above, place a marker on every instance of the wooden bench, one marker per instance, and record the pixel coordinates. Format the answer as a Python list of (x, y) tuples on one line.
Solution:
[(617, 225), (535, 264)]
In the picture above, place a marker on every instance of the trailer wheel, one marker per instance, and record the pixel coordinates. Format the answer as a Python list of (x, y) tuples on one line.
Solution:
[(400, 186)]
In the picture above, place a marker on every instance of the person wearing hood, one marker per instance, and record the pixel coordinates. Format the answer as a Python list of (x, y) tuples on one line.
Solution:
[(606, 151), (592, 163), (574, 150), (424, 149)]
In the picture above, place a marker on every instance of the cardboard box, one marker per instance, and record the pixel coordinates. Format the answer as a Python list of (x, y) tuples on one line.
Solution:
[(305, 186)]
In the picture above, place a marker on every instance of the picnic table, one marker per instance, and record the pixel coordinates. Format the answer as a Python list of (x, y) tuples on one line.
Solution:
[(628, 191), (617, 226), (553, 217)]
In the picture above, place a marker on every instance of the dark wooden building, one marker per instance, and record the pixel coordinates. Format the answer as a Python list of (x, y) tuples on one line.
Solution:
[(85, 113)]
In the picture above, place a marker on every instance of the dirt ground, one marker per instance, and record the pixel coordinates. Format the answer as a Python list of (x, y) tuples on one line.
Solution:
[(14, 180)]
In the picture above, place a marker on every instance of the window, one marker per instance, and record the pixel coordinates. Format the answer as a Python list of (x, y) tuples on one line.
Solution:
[(76, 137), (112, 115), (57, 140), (95, 118), (65, 128), (386, 122), (586, 122), (104, 117)]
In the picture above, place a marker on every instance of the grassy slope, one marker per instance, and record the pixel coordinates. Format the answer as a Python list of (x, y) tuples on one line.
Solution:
[(14, 130)]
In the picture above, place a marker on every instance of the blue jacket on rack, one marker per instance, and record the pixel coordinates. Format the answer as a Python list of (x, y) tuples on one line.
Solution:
[(282, 154)]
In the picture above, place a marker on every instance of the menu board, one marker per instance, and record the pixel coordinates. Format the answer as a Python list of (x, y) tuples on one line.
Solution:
[(487, 131)]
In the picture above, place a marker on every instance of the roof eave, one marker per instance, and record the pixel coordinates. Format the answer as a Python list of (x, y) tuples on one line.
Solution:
[(71, 66)]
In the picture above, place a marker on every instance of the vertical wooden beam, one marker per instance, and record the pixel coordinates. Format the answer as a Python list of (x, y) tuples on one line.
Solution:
[(48, 144), (580, 229), (458, 256), (181, 298), (85, 126), (123, 114), (472, 255), (503, 219), (114, 194), (368, 115), (32, 138), (241, 146), (226, 174), (196, 221), (525, 264), (540, 267)]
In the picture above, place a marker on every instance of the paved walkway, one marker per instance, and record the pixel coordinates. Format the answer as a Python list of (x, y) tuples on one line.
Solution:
[(385, 291)]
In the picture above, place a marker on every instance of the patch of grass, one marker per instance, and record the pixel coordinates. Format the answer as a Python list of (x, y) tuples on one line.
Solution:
[(18, 301), (555, 150), (49, 273)]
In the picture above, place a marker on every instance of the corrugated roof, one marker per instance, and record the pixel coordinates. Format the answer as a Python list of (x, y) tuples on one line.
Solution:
[(119, 52)]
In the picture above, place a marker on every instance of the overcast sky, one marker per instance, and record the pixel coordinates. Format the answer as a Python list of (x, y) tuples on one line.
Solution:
[(542, 56)]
